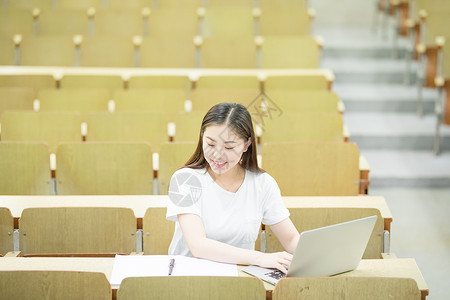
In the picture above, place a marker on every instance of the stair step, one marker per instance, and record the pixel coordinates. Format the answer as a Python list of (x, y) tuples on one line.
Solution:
[(369, 70), (395, 131), (390, 168), (384, 97)]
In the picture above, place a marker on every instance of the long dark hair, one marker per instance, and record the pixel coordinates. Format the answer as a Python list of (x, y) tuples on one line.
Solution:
[(237, 117)]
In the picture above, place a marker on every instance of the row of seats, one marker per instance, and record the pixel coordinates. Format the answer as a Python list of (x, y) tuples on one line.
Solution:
[(97, 286), (156, 4), (111, 230), (309, 80), (165, 52), (209, 22), (425, 24), (159, 127), (127, 168), (168, 100)]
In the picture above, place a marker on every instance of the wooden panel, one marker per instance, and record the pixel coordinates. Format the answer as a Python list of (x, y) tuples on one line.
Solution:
[(290, 52), (25, 169), (228, 53), (110, 82), (285, 22), (51, 50), (296, 82), (104, 169), (302, 101), (217, 22), (77, 230), (178, 22), (7, 51), (16, 21), (137, 126), (158, 231), (49, 127), (54, 285), (16, 98), (6, 231), (194, 287), (149, 82), (311, 218), (167, 100), (80, 99), (205, 98), (120, 52), (188, 126), (346, 288), (287, 126), (63, 22), (124, 23), (172, 156), (228, 82), (36, 82), (313, 168), (167, 52)]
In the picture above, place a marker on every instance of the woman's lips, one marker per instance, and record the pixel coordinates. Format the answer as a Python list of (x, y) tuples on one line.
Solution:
[(218, 164)]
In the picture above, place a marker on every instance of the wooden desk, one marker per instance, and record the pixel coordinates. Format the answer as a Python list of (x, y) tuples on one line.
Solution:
[(403, 267), (193, 74), (139, 204)]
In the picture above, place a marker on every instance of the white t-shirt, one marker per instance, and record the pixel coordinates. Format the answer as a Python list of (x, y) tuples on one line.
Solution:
[(231, 218)]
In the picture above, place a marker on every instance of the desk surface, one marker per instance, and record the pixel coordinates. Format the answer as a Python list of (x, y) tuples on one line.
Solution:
[(139, 204), (400, 267), (193, 74)]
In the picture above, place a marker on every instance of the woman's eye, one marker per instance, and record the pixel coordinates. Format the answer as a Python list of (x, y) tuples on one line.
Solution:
[(229, 148), (210, 145)]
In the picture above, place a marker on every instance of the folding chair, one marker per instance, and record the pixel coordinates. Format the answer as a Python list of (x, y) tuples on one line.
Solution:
[(16, 98), (313, 168), (6, 231), (104, 169), (25, 169), (175, 287), (28, 285), (83, 231), (49, 127), (370, 288)]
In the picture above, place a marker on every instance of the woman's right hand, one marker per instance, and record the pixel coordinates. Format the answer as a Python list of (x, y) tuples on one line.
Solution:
[(277, 260)]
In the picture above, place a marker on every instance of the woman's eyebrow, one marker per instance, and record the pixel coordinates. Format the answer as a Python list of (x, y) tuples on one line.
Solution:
[(226, 142)]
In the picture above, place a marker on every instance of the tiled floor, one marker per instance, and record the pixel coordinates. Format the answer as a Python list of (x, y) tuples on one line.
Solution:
[(421, 230)]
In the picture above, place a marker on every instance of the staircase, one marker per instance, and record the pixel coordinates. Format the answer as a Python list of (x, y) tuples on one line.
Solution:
[(381, 110)]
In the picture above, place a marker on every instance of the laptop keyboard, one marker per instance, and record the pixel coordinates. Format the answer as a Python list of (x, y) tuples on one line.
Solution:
[(276, 274)]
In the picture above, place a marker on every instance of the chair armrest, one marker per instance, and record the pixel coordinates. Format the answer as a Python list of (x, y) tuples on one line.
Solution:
[(346, 133), (364, 170), (341, 106), (13, 254), (388, 256)]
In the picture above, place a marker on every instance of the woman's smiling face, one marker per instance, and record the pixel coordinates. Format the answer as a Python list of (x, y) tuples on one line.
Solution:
[(222, 148)]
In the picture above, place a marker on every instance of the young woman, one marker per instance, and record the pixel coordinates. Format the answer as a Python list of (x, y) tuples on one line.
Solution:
[(221, 196)]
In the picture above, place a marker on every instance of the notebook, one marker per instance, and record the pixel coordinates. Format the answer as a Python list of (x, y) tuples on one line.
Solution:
[(324, 251)]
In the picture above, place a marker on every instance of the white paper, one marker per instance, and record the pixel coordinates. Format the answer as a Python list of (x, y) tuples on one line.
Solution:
[(158, 265)]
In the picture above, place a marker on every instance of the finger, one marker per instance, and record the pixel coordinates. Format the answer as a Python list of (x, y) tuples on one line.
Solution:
[(285, 262), (282, 268)]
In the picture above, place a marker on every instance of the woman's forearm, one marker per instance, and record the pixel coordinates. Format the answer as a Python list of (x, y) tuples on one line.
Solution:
[(213, 250)]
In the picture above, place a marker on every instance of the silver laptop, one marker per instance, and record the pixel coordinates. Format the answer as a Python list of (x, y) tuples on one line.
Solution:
[(324, 251)]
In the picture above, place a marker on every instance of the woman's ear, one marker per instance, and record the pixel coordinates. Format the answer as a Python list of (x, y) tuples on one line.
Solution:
[(247, 144)]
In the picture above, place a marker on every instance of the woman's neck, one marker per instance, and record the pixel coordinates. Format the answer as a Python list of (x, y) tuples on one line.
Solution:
[(231, 180)]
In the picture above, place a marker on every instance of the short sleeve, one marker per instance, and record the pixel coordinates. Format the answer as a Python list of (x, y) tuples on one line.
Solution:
[(274, 210), (185, 193)]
